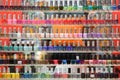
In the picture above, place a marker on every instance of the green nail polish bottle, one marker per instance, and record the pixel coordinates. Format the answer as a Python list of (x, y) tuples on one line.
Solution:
[(95, 7), (99, 5), (61, 5), (84, 5), (80, 5), (56, 5), (75, 5), (0, 45), (70, 7), (65, 5)]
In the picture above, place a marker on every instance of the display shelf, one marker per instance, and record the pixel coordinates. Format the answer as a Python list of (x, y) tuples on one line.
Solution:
[(62, 65), (59, 51), (61, 11), (64, 79)]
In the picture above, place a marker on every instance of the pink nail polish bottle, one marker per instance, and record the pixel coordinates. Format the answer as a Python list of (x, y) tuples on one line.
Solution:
[(47, 33), (56, 34), (71, 34), (52, 19), (57, 20), (9, 19), (51, 34), (61, 19), (75, 33), (66, 33), (61, 33), (23, 18), (14, 19), (19, 20)]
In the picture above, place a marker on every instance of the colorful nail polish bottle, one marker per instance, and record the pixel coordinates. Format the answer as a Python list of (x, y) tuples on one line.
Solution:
[(25, 48), (5, 32), (60, 48), (77, 59), (69, 47), (89, 5), (45, 46), (47, 20), (14, 19), (65, 5), (104, 5), (114, 5), (4, 72), (75, 33), (8, 74), (61, 33), (36, 45), (85, 7), (39, 47), (51, 33), (100, 5), (9, 19), (1, 45), (51, 6), (17, 75), (119, 5), (87, 72), (47, 33), (50, 47), (80, 5), (56, 5), (55, 48), (71, 33), (75, 5), (15, 48), (5, 47), (66, 33), (95, 6), (83, 72), (20, 46), (60, 5), (64, 46), (26, 75), (73, 46), (109, 5)]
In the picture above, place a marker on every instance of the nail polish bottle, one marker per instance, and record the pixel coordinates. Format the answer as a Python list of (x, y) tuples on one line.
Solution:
[(45, 46), (56, 72), (65, 5), (25, 48), (56, 34), (116, 19), (50, 47), (78, 47), (88, 45), (36, 45), (17, 75), (60, 47), (55, 48), (8, 74), (1, 48), (106, 72), (47, 33), (56, 7), (85, 7), (61, 33), (104, 5), (51, 33), (26, 75), (15, 48), (5, 33), (80, 33), (75, 33), (87, 73), (9, 19), (114, 5), (14, 33), (60, 4), (20, 46), (64, 46), (83, 72), (75, 5), (71, 33), (51, 6), (85, 33), (74, 46), (79, 5), (47, 21), (89, 3), (69, 47), (5, 47), (99, 5), (119, 5), (95, 6), (4, 72), (70, 20), (109, 5), (40, 46), (29, 46), (14, 19), (111, 73), (66, 33)]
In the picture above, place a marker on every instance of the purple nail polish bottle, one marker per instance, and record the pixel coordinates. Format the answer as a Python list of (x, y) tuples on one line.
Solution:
[(44, 46), (50, 47)]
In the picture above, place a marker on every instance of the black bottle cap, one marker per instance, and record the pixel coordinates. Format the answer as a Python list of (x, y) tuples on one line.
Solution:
[(104, 57), (78, 70), (69, 70), (100, 57)]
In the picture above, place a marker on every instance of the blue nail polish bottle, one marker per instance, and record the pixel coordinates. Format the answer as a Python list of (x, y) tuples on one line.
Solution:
[(40, 47), (77, 60), (114, 6), (119, 5), (90, 6), (64, 61), (10, 47), (0, 45), (64, 46), (69, 47), (44, 46), (55, 48), (36, 45), (60, 48), (26, 75), (30, 73), (5, 46), (30, 47), (25, 47), (50, 47)]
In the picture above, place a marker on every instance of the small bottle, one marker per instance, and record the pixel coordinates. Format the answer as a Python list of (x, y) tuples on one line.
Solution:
[(100, 5), (55, 48), (50, 47), (9, 19), (92, 74), (70, 5), (69, 47), (75, 33), (83, 72), (119, 5), (51, 6), (75, 5), (19, 33), (104, 5), (90, 5), (1, 45), (56, 34), (74, 46), (40, 46), (109, 5), (8, 74), (80, 5), (14, 19), (114, 5), (51, 33), (36, 45), (64, 46), (5, 47), (95, 6), (65, 5), (14, 33), (56, 5), (15, 48), (61, 4), (61, 33), (45, 46), (71, 33), (10, 47), (17, 75), (20, 46), (87, 72), (66, 33), (29, 46), (25, 48), (5, 32), (60, 48), (47, 33)]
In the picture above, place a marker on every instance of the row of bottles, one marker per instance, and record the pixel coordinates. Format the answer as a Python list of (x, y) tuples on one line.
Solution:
[(60, 5)]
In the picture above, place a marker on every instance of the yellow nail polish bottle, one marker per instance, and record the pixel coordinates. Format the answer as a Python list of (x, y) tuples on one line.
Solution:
[(17, 75), (8, 74)]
